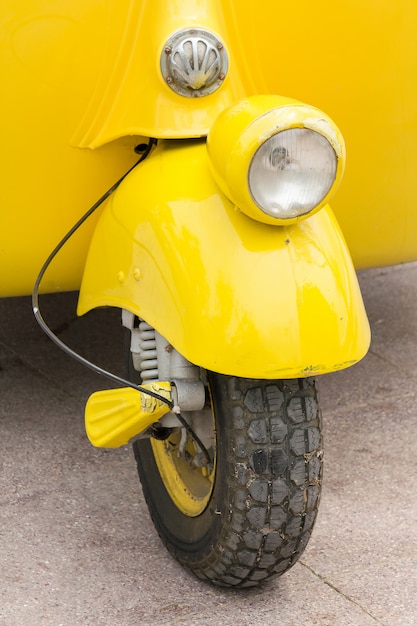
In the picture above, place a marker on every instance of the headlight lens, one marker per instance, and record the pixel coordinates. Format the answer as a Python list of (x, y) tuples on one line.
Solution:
[(292, 172)]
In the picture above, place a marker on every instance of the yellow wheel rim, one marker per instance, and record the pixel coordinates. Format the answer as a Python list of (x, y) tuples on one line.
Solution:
[(188, 486)]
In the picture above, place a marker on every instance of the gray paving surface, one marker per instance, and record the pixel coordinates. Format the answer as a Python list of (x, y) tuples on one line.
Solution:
[(77, 546)]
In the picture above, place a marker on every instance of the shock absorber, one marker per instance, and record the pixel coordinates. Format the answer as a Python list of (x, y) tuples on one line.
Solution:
[(155, 359), (143, 349)]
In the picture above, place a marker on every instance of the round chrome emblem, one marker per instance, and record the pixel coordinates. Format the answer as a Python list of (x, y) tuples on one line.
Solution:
[(194, 63)]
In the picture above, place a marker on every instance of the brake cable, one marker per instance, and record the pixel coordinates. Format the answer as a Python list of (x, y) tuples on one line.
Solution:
[(145, 149)]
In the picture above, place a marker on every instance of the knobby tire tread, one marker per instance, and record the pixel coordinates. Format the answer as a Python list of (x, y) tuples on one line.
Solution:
[(270, 442)]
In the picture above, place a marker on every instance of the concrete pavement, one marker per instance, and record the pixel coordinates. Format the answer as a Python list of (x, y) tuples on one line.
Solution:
[(77, 547)]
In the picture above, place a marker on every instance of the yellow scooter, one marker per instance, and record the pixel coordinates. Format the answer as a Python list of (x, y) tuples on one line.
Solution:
[(219, 247)]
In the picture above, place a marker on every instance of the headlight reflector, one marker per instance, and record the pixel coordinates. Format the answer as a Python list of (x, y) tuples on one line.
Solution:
[(292, 172)]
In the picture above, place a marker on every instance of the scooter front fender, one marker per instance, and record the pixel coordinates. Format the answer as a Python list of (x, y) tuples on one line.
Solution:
[(232, 295)]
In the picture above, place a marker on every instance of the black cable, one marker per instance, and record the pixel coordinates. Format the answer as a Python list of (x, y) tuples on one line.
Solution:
[(195, 437), (35, 293), (99, 370)]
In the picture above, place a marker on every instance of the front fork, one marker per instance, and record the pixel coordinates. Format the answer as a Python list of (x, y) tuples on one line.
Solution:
[(172, 395), (114, 416), (155, 359)]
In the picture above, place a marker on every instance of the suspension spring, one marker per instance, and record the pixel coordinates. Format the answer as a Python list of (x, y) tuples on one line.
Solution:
[(144, 353)]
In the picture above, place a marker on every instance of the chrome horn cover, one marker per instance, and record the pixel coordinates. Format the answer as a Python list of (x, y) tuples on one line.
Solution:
[(194, 62)]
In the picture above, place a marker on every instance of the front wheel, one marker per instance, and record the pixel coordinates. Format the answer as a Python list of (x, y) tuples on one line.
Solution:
[(247, 513)]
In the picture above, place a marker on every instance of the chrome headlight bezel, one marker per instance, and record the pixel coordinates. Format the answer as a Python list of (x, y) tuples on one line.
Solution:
[(245, 130)]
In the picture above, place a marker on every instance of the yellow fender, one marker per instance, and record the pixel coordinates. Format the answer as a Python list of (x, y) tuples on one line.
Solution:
[(231, 294)]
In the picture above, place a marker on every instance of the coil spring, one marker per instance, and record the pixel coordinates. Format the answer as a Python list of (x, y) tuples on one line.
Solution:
[(146, 359)]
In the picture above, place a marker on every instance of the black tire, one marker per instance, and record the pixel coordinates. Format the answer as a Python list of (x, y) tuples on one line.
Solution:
[(267, 484)]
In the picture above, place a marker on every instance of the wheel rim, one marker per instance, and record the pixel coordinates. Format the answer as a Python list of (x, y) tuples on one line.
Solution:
[(188, 485)]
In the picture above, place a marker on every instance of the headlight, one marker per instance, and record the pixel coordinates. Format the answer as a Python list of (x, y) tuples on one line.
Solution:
[(292, 172), (276, 159)]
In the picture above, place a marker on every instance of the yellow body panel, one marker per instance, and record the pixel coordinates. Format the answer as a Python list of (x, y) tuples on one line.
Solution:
[(131, 95), (357, 61), (78, 74), (229, 293), (49, 54)]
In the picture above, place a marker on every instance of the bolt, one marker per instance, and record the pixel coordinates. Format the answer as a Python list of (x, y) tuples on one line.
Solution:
[(169, 80), (168, 49), (222, 76), (219, 45)]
